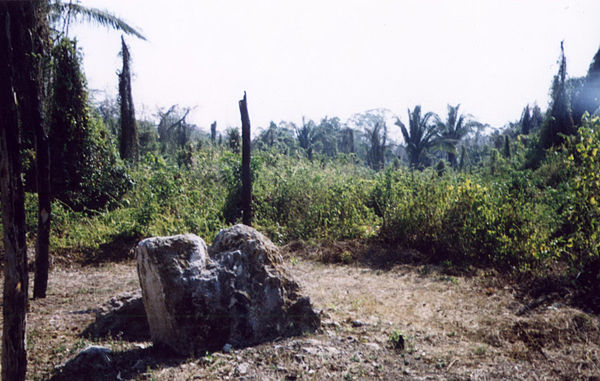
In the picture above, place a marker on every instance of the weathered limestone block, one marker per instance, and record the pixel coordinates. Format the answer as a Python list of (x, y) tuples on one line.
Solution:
[(239, 293)]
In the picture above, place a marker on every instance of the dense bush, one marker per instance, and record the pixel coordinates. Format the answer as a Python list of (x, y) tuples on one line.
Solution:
[(500, 215), (464, 218), (296, 198), (581, 158), (293, 199)]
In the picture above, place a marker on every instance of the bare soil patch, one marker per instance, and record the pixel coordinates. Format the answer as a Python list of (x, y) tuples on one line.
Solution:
[(452, 327)]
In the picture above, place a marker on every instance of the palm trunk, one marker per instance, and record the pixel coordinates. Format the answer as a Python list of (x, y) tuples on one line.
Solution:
[(14, 353), (381, 164), (452, 159), (129, 135), (28, 47), (213, 132), (42, 246), (246, 175)]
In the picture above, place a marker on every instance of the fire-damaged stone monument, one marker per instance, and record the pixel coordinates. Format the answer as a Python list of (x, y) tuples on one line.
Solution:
[(236, 292)]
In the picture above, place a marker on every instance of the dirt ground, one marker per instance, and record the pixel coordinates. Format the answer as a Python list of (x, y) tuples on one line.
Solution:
[(407, 322)]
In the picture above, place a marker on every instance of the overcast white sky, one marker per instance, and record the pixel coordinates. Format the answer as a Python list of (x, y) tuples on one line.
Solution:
[(337, 57)]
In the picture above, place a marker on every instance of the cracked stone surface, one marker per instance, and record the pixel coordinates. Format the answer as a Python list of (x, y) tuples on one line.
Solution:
[(235, 292)]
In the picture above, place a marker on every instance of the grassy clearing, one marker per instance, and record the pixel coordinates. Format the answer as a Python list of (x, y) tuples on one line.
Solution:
[(453, 327)]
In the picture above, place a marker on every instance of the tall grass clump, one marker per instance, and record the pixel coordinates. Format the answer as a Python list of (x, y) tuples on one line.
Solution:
[(295, 198)]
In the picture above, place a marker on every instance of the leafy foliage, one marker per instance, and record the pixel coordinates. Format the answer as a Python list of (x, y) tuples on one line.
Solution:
[(278, 138), (582, 217), (303, 200), (86, 172), (462, 218), (234, 139)]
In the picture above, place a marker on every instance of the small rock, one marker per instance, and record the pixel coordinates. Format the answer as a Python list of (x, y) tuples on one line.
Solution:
[(227, 348), (242, 368), (91, 360), (311, 350), (373, 346), (358, 323), (313, 342), (95, 354)]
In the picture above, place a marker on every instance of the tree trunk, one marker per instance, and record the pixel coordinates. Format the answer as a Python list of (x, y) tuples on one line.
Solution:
[(213, 132), (381, 164), (129, 136), (29, 36), (452, 159), (350, 134), (463, 158), (246, 175), (14, 354)]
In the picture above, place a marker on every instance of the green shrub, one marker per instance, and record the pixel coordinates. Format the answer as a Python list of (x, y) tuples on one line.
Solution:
[(582, 216), (464, 218), (294, 198)]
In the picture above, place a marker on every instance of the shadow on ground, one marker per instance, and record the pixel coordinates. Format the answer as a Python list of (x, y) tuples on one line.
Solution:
[(99, 363), (371, 253), (123, 318), (118, 248), (551, 287)]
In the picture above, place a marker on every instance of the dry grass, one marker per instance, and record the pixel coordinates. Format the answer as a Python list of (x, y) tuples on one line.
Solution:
[(454, 328)]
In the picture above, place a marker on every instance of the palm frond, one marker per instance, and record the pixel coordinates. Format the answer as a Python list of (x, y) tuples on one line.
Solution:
[(404, 131), (101, 17)]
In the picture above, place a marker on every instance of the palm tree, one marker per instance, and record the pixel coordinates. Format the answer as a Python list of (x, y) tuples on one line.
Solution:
[(307, 137), (57, 12), (61, 12), (376, 137), (421, 135), (453, 130)]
